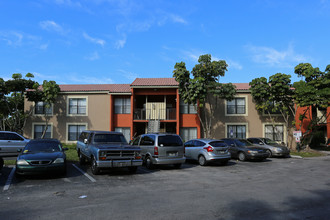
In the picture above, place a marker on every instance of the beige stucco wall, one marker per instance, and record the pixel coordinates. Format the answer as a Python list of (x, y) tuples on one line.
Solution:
[(254, 121), (97, 118)]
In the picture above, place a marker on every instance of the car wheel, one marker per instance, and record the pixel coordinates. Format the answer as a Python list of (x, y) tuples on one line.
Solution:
[(95, 169), (177, 166), (1, 163), (149, 163), (132, 169), (201, 160), (241, 156), (82, 160), (269, 153)]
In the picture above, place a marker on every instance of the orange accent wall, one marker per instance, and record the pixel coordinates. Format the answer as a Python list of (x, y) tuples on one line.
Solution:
[(111, 113), (190, 120), (304, 124), (122, 120)]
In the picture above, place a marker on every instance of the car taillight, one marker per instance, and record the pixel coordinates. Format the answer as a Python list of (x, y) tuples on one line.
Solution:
[(209, 149), (156, 150)]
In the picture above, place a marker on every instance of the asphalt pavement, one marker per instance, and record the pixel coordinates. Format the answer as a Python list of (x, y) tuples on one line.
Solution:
[(278, 188)]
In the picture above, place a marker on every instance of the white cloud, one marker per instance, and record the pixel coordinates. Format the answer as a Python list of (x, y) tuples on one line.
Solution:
[(272, 57), (94, 40), (12, 38), (177, 19), (129, 75), (93, 56), (120, 43), (52, 26), (73, 79), (43, 47)]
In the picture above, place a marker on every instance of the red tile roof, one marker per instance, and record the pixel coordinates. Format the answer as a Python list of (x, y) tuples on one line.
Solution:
[(113, 88), (155, 82), (242, 86)]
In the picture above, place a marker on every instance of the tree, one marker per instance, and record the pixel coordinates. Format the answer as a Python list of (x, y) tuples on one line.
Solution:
[(203, 86), (12, 92), (47, 93), (313, 91), (273, 96)]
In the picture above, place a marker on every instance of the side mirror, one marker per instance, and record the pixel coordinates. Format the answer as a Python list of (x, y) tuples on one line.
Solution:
[(85, 141), (19, 150), (261, 143)]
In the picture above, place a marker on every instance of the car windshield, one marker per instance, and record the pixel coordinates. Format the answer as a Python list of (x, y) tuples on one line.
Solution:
[(109, 138), (243, 143), (218, 144), (42, 147), (169, 140), (269, 141)]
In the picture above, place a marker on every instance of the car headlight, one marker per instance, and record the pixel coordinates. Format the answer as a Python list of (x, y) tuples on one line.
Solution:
[(252, 152), (277, 149), (22, 162), (103, 153), (59, 160)]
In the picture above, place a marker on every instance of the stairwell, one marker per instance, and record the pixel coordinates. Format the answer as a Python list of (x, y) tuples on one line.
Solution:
[(153, 126)]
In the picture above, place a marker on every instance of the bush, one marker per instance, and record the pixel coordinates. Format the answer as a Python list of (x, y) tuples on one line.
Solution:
[(317, 139)]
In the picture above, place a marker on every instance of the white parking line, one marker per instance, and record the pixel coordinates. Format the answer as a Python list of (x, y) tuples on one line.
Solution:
[(10, 178), (83, 172)]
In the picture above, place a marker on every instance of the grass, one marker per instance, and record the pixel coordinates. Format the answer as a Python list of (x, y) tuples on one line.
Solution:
[(71, 155), (307, 154)]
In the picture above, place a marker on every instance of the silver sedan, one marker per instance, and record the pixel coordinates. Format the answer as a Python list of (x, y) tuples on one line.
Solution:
[(274, 149), (207, 150)]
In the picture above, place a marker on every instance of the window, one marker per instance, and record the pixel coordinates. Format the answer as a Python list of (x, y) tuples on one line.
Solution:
[(39, 129), (187, 108), (236, 131), (74, 131), (126, 132), (77, 106), (236, 106), (188, 133), (275, 132), (41, 109), (122, 105), (148, 140), (272, 109)]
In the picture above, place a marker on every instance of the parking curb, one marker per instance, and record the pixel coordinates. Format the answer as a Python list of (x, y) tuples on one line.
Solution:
[(297, 157)]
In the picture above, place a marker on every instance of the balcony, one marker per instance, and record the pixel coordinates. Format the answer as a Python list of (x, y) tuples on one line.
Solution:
[(154, 114)]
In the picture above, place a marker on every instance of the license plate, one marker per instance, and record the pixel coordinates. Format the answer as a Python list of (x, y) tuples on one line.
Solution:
[(221, 151), (172, 154)]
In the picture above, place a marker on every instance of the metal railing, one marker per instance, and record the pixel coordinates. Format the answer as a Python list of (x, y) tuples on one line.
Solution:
[(161, 114)]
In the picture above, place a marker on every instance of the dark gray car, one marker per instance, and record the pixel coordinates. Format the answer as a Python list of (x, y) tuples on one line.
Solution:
[(274, 149), (245, 150)]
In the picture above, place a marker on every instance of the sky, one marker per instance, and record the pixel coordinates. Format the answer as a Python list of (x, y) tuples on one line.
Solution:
[(116, 41)]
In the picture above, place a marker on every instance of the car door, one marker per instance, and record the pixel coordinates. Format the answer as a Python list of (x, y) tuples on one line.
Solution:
[(189, 147), (198, 147), (11, 143), (232, 147), (147, 144)]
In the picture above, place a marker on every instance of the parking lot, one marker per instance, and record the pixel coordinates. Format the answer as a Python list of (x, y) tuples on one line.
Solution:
[(278, 188)]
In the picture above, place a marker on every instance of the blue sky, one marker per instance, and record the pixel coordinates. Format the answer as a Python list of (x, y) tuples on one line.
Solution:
[(108, 41)]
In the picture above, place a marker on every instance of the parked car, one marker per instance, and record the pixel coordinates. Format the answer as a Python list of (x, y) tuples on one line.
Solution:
[(274, 149), (41, 156), (10, 143), (244, 150), (107, 149), (207, 150), (160, 148)]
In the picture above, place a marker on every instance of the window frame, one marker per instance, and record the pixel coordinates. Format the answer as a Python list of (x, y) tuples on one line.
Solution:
[(122, 106), (68, 105), (74, 124), (189, 106), (276, 124), (235, 114), (237, 124), (182, 137), (44, 109), (42, 124)]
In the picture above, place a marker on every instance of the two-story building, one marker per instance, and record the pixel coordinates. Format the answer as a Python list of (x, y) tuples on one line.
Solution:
[(147, 105)]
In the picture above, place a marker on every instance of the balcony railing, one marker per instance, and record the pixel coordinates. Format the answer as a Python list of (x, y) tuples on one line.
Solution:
[(161, 114)]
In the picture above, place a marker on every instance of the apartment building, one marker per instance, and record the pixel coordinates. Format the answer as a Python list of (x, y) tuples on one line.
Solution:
[(147, 105)]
